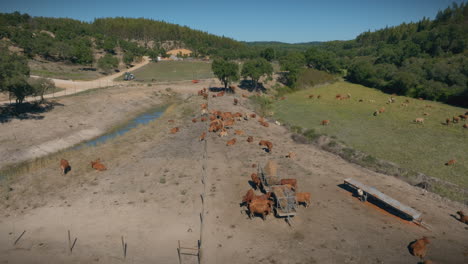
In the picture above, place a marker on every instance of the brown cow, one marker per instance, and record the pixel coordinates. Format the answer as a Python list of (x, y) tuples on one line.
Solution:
[(319, 96), (291, 155), (250, 139), (267, 144), (231, 142), (292, 182), (65, 166), (451, 162), (244, 95), (447, 121), (263, 123), (455, 119), (250, 196), (419, 120), (381, 110), (205, 96), (223, 133), (203, 119), (338, 96), (212, 117), (174, 130), (465, 126), (232, 88), (303, 197), (239, 132), (97, 165), (463, 217), (463, 117), (229, 123), (256, 180), (283, 98), (253, 115), (418, 248), (325, 122), (194, 120), (220, 94), (262, 207), (311, 96), (235, 101), (204, 106), (202, 137)]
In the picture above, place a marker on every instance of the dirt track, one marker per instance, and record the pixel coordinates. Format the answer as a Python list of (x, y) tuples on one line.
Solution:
[(150, 195)]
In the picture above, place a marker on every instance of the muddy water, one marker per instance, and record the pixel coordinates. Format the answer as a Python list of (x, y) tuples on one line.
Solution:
[(142, 119)]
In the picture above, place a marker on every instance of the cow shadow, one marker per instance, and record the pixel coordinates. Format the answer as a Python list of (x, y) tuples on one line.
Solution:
[(409, 247), (249, 85), (67, 169), (267, 150), (455, 217), (253, 185), (25, 111)]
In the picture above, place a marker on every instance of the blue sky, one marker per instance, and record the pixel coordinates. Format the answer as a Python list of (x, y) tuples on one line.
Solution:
[(254, 20)]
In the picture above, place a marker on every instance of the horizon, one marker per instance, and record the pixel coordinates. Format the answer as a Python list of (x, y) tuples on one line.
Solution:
[(270, 24)]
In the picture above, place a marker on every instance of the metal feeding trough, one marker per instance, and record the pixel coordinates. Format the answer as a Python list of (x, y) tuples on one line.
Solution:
[(409, 212)]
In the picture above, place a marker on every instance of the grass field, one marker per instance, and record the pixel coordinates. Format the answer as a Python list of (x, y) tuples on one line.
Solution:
[(166, 71), (391, 136)]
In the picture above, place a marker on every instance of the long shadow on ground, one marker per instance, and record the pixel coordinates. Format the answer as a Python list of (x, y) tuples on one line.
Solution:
[(25, 111)]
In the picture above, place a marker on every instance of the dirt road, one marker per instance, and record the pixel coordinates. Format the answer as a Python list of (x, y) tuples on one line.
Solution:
[(150, 194), (72, 87)]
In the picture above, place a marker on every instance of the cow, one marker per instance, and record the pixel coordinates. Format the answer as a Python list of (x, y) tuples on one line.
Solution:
[(338, 96), (419, 120), (253, 115), (455, 119), (216, 125), (463, 117), (292, 182), (319, 96), (212, 117), (170, 121), (223, 133), (231, 142), (311, 96), (447, 121), (202, 137), (203, 119), (97, 165), (250, 139), (239, 132), (229, 123), (174, 130), (267, 144), (463, 217), (255, 180), (450, 162), (263, 123), (291, 155), (325, 122), (426, 114), (235, 101), (381, 110), (418, 247), (262, 207), (303, 197), (65, 166), (244, 95), (465, 126), (283, 98), (250, 196), (205, 96), (232, 88), (204, 106), (376, 113), (194, 120), (220, 94)]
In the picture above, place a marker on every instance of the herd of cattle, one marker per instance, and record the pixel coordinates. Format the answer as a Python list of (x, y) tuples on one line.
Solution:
[(97, 165)]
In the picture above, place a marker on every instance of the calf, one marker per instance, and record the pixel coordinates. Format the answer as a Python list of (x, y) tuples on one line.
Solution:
[(255, 180), (231, 142), (463, 217), (239, 132), (303, 197), (253, 115), (235, 101), (450, 162), (174, 130), (267, 144), (250, 139), (97, 165), (223, 133), (419, 120), (194, 120), (263, 123), (202, 137), (418, 248), (292, 182), (325, 122), (65, 166)]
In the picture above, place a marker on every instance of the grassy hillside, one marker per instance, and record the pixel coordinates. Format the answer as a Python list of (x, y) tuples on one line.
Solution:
[(173, 71), (391, 136)]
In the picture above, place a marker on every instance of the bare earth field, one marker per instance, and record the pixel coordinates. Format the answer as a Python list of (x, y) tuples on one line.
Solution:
[(150, 193)]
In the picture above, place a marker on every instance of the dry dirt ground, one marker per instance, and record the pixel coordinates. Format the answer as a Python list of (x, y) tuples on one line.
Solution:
[(150, 194)]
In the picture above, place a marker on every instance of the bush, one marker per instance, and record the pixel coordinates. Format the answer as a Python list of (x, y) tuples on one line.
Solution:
[(108, 62), (311, 134)]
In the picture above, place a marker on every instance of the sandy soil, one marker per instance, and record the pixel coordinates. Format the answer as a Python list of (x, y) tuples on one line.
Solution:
[(150, 194)]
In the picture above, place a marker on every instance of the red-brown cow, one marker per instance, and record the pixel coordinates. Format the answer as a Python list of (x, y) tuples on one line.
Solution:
[(267, 144), (231, 142), (250, 139), (418, 248), (463, 217), (262, 207), (97, 165), (292, 182), (65, 166), (303, 197)]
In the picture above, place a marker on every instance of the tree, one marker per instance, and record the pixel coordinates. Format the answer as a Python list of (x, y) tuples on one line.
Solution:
[(128, 57), (41, 86), (268, 54), (292, 63), (108, 62), (226, 71), (14, 71), (255, 69)]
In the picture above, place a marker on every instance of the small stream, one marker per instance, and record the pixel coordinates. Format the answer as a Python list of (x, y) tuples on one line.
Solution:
[(142, 119)]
